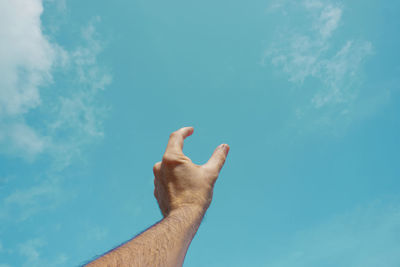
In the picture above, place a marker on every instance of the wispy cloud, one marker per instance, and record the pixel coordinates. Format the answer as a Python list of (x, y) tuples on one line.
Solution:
[(23, 203), (308, 53), (69, 114), (30, 250), (96, 233), (28, 62), (328, 19), (49, 113), (27, 58), (364, 237), (61, 5), (78, 112)]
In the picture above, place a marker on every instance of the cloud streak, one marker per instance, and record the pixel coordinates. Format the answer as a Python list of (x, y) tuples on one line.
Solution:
[(308, 54), (69, 115), (23, 203), (28, 62), (27, 58), (30, 250)]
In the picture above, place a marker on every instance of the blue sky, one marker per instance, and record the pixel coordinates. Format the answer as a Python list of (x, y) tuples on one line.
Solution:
[(306, 93)]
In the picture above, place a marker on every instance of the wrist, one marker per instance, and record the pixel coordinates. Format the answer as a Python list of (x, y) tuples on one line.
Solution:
[(196, 200), (189, 211)]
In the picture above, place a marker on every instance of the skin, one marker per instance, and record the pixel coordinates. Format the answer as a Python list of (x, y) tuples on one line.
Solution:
[(184, 192)]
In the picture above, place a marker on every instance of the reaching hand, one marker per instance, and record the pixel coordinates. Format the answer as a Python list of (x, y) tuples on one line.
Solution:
[(179, 182)]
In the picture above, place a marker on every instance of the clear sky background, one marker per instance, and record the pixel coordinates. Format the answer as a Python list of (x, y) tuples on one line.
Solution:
[(306, 93)]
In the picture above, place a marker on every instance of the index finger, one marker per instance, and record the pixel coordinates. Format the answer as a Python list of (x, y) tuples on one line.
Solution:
[(175, 142)]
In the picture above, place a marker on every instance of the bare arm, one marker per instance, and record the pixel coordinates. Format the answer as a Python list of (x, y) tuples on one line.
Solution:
[(163, 244), (184, 192)]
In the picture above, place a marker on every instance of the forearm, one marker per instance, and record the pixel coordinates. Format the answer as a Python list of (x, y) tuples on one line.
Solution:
[(184, 192), (163, 244)]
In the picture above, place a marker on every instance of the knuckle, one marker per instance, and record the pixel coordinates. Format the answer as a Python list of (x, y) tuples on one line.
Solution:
[(171, 159), (173, 134), (168, 158), (156, 168)]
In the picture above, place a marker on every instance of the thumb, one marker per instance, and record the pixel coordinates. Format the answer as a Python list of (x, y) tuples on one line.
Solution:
[(217, 159)]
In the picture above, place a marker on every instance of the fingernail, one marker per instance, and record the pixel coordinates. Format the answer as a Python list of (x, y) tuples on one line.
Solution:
[(225, 148)]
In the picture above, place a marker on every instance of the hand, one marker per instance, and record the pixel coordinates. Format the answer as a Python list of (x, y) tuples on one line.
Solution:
[(179, 182)]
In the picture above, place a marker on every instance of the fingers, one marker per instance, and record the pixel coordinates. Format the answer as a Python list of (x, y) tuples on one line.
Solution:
[(217, 159), (175, 142), (156, 168)]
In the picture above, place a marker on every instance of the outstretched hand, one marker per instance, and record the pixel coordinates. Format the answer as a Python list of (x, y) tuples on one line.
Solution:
[(184, 192), (179, 182)]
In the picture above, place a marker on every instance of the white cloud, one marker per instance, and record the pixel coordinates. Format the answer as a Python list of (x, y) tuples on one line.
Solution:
[(78, 112), (31, 251), (70, 115), (97, 233), (28, 62), (339, 73), (23, 203), (66, 112), (307, 53), (19, 138), (365, 237), (313, 4), (328, 21), (26, 55), (61, 5)]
